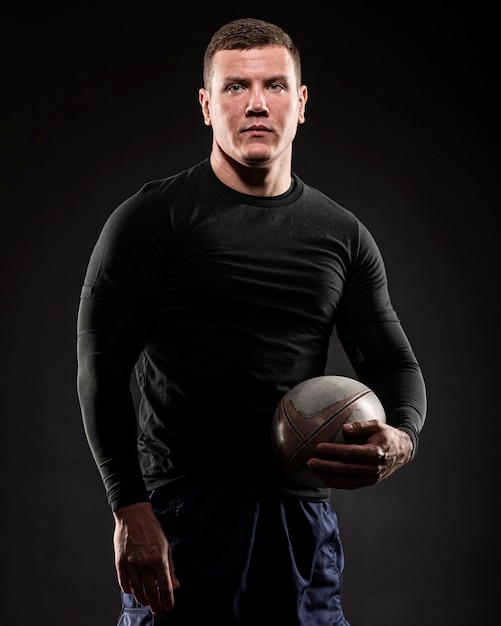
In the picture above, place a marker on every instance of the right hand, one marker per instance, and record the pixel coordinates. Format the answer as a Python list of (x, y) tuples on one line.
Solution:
[(143, 557)]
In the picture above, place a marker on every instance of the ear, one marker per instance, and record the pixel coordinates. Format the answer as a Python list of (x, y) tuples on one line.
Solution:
[(303, 97), (203, 98)]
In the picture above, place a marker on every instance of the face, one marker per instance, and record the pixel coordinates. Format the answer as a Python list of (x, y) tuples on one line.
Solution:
[(254, 104)]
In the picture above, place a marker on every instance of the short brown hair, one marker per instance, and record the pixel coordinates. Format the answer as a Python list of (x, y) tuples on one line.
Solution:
[(248, 33)]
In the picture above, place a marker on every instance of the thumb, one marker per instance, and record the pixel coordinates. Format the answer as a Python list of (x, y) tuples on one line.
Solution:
[(360, 429)]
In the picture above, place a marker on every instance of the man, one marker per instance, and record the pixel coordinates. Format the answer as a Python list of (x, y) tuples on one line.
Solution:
[(221, 285)]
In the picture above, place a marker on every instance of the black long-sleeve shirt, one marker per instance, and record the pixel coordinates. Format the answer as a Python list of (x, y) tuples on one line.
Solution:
[(222, 302)]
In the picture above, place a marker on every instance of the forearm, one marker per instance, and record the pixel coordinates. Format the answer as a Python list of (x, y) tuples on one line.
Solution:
[(401, 389), (384, 360), (107, 407)]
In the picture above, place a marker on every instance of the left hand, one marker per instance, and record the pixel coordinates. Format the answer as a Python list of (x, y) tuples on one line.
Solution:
[(372, 452)]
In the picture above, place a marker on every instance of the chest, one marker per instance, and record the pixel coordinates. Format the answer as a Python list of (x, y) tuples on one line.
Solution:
[(275, 258)]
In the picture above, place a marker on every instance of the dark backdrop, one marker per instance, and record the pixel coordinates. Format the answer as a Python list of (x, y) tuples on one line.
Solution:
[(402, 128)]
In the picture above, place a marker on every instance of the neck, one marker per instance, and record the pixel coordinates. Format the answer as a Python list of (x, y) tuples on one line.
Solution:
[(263, 180)]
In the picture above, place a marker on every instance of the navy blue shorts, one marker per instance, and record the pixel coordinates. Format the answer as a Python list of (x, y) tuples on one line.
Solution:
[(247, 557)]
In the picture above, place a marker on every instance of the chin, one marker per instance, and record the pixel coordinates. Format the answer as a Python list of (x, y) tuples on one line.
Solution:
[(256, 158), (256, 162), (256, 152)]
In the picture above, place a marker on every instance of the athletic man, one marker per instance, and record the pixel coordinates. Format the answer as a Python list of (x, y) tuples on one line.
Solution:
[(221, 285)]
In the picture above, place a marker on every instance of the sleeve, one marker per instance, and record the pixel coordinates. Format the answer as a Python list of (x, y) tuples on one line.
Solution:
[(376, 344), (121, 287), (109, 342)]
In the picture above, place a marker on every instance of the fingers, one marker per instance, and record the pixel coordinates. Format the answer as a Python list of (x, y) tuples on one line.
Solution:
[(166, 586), (342, 475), (155, 591), (123, 578), (358, 428), (372, 452), (145, 591), (149, 595)]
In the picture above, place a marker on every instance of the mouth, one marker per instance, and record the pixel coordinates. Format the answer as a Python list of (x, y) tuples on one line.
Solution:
[(257, 130)]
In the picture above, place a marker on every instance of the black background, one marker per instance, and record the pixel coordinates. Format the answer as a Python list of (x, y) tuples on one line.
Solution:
[(402, 128)]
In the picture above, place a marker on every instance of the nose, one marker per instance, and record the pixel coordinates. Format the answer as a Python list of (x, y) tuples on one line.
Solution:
[(257, 103)]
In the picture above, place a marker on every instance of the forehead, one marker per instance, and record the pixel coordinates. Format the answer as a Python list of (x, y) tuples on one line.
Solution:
[(257, 63)]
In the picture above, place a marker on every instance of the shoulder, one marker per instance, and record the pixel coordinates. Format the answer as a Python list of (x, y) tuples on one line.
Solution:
[(319, 201), (184, 183), (150, 205), (336, 216)]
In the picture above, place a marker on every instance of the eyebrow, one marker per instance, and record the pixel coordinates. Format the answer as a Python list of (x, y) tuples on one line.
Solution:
[(275, 78)]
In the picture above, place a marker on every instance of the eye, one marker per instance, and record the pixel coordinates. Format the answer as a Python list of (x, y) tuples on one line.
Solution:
[(276, 87), (235, 88)]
